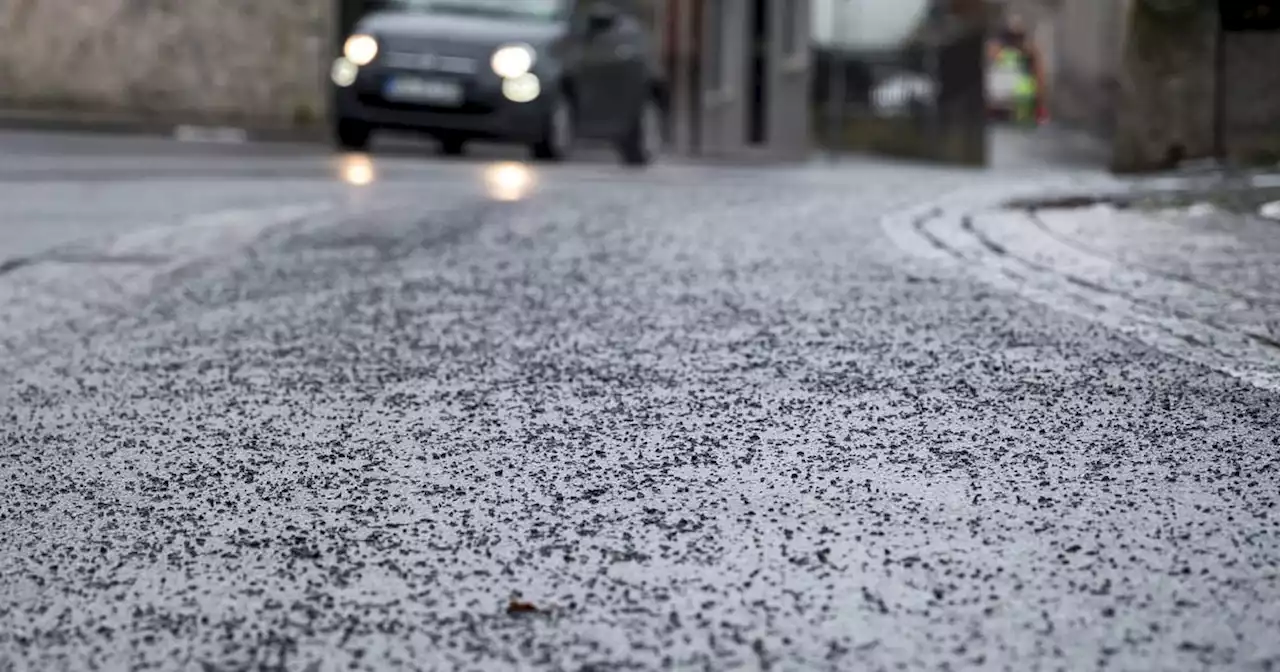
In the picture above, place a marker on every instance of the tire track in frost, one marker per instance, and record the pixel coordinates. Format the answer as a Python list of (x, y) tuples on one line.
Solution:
[(948, 236)]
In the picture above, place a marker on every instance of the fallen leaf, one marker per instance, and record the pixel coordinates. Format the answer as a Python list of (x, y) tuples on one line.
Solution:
[(515, 607)]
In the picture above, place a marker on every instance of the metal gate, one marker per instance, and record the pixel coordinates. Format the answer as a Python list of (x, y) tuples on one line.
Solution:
[(920, 97)]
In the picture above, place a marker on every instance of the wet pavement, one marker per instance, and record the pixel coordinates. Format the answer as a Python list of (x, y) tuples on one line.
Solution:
[(266, 408)]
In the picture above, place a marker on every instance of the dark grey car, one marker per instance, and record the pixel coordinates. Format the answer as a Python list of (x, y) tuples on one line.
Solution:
[(538, 72)]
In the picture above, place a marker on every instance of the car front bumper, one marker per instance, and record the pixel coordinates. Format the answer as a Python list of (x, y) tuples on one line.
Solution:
[(484, 113)]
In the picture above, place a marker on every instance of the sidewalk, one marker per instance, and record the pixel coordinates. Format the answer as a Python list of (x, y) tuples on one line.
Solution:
[(1186, 266), (1217, 240), (1053, 145)]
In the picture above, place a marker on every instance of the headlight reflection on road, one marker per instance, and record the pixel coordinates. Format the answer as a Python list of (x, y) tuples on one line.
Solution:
[(356, 169), (508, 181)]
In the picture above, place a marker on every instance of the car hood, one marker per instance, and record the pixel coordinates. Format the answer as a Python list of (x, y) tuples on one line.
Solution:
[(413, 31)]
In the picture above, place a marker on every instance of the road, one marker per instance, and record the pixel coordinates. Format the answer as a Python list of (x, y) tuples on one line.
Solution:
[(266, 408)]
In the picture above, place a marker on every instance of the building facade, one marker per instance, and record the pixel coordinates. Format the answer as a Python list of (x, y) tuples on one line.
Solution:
[(225, 61), (739, 72)]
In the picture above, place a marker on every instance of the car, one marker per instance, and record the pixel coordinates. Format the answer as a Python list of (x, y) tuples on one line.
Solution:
[(543, 73)]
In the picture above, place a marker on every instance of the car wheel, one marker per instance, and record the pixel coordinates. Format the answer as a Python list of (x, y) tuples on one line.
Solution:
[(559, 134), (352, 134), (643, 142), (453, 146)]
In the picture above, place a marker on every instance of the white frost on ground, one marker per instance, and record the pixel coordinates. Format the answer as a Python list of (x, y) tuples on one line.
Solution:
[(1194, 211), (1201, 210)]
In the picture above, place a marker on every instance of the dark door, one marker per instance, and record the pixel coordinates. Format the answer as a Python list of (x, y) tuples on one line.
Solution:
[(758, 90), (725, 27)]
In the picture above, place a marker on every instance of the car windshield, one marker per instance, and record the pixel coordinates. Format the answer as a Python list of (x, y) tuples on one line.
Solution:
[(541, 10)]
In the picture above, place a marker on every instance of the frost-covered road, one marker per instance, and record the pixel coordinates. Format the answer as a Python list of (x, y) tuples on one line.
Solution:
[(476, 416)]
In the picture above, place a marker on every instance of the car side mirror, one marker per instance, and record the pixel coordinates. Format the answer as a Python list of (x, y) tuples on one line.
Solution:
[(601, 17)]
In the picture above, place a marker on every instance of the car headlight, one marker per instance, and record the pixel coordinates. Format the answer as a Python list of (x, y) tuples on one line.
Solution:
[(360, 49), (513, 60), (523, 89)]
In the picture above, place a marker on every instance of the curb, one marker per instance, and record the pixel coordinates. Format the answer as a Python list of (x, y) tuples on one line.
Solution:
[(27, 120)]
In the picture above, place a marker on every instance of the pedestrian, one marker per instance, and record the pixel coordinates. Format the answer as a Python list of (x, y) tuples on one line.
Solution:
[(1013, 54)]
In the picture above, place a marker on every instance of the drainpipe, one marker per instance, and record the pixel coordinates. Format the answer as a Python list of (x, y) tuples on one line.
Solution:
[(1219, 90), (935, 38), (837, 76)]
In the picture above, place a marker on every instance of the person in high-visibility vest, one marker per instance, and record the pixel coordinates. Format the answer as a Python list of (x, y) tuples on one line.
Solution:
[(1010, 59), (1015, 57)]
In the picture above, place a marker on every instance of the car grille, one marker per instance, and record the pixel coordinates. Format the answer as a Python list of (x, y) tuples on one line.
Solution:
[(428, 62), (434, 55), (470, 107)]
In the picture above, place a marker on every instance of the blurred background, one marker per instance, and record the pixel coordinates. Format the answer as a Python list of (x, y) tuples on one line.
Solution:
[(1157, 82)]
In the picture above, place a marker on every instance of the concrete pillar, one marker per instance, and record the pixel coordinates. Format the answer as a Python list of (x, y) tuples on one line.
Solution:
[(1164, 107), (791, 72)]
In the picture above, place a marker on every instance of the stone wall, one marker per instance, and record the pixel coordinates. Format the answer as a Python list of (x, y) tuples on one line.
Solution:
[(252, 62), (1166, 108)]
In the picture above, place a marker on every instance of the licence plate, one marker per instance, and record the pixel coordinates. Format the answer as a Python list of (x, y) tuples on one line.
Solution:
[(418, 90)]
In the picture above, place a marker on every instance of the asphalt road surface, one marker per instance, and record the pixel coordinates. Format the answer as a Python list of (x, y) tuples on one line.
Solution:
[(267, 408)]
